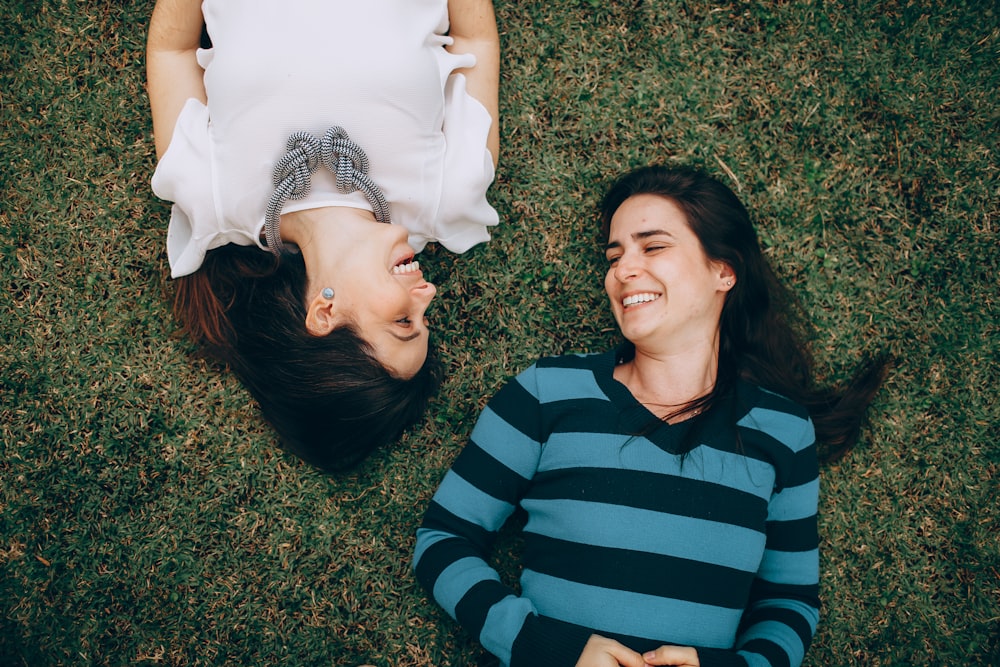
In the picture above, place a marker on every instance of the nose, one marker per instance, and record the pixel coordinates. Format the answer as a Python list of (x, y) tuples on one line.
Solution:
[(422, 296), (424, 293), (390, 233), (626, 268)]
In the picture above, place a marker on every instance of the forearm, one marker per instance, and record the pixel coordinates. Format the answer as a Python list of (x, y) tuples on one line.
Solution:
[(783, 610), (474, 30), (173, 75), (452, 570)]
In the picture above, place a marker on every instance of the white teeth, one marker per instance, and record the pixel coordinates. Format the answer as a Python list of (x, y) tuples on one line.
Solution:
[(639, 298), (409, 267)]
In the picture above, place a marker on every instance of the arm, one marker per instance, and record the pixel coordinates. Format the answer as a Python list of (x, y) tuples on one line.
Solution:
[(172, 72), (474, 30), (477, 495), (783, 610), (475, 498)]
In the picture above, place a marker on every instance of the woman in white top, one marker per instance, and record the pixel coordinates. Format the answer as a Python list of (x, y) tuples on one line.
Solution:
[(283, 147)]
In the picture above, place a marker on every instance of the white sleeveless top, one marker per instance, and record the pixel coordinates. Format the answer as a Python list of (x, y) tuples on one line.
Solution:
[(377, 68)]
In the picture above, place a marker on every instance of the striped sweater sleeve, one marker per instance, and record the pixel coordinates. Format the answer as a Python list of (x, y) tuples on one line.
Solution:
[(783, 611), (474, 500)]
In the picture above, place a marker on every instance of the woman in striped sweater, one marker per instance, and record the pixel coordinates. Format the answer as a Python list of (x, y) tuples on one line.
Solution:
[(670, 485)]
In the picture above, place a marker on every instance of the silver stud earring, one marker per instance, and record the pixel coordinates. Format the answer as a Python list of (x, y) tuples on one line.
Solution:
[(729, 283), (327, 292)]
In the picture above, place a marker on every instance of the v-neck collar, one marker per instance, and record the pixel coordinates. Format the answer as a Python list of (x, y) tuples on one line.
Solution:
[(634, 418)]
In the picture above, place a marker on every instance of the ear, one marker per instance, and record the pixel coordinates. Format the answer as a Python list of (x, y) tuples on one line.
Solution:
[(321, 316), (727, 277)]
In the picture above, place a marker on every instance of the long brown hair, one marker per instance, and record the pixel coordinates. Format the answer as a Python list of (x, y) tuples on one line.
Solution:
[(760, 339), (329, 399)]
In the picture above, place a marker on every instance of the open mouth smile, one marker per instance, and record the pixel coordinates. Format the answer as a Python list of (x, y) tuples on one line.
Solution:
[(636, 299), (406, 267)]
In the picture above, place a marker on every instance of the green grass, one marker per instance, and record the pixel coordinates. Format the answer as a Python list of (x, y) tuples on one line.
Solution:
[(146, 516)]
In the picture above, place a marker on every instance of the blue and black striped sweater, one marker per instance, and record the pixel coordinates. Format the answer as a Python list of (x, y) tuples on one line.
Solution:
[(626, 537)]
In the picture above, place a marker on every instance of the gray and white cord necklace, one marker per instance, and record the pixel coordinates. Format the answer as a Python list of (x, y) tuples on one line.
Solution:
[(304, 155)]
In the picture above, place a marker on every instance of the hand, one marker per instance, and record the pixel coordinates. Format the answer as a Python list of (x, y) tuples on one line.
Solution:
[(603, 652), (679, 656)]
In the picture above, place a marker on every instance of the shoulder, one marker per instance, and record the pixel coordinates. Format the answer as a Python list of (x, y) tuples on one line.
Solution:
[(571, 369), (554, 376), (778, 430), (774, 416), (581, 360)]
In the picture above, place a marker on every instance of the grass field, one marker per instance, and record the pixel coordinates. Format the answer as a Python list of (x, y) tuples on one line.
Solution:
[(146, 516)]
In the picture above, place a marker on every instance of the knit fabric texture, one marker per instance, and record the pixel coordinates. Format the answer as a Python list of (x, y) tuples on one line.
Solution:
[(625, 536)]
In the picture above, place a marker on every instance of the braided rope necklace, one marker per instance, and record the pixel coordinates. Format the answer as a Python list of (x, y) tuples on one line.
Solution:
[(304, 155)]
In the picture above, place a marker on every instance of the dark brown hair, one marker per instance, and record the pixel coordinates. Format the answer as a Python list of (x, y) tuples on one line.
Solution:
[(760, 339), (329, 399)]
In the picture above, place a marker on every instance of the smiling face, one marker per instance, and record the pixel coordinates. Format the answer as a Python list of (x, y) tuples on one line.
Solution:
[(381, 290), (665, 292)]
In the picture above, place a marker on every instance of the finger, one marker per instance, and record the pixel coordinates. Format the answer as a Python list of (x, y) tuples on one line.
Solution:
[(678, 656), (627, 658)]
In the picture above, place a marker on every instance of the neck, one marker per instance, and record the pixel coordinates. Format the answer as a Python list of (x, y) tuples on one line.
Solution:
[(324, 235), (667, 381)]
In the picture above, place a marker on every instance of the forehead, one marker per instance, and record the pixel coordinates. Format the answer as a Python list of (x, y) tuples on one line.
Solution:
[(645, 205), (647, 215)]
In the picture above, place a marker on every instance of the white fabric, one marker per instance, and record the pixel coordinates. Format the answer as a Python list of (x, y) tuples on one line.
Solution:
[(377, 68)]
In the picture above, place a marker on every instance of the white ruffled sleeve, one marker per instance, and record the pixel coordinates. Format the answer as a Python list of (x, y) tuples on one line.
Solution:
[(464, 215), (184, 176)]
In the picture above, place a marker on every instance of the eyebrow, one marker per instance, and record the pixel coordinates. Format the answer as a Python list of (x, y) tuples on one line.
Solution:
[(640, 235), (406, 339)]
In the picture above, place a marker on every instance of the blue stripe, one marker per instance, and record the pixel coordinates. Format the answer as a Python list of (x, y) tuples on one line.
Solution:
[(731, 470), (565, 384), (652, 532), (790, 430), (601, 450), (603, 609), (506, 444), (794, 503), (467, 502), (456, 580), (597, 450), (756, 659), (503, 622), (800, 568)]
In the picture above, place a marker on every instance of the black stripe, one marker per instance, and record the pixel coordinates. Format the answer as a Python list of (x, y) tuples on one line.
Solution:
[(477, 467), (438, 518), (519, 409), (472, 609), (626, 570), (438, 557), (547, 642), (803, 468), (804, 593), (651, 491), (771, 401), (796, 535), (581, 415)]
